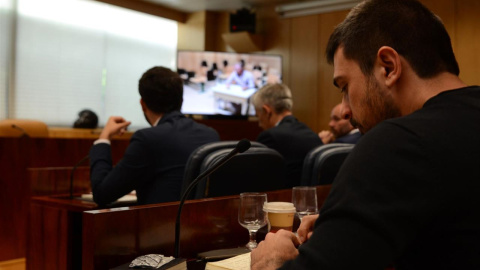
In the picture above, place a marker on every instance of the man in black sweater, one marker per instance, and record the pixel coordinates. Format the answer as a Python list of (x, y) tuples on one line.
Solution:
[(282, 131), (407, 195)]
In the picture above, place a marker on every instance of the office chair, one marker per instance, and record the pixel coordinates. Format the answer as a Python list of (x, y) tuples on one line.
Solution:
[(255, 170), (20, 127), (194, 162), (328, 163), (309, 161)]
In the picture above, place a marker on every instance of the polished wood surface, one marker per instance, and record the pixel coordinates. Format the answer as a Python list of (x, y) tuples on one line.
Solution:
[(81, 133), (234, 129), (22, 163), (110, 237), (54, 233), (17, 264), (53, 180)]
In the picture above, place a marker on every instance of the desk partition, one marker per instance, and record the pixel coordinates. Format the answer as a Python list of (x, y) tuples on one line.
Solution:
[(72, 234)]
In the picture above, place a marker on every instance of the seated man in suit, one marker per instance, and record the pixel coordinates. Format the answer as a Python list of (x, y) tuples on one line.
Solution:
[(154, 162), (282, 131), (341, 130)]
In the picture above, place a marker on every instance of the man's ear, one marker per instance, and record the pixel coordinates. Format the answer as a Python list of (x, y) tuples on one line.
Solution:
[(390, 65), (144, 106), (267, 109)]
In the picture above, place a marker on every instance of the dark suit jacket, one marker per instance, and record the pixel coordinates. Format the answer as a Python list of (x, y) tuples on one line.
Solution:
[(349, 138), (293, 140), (153, 164)]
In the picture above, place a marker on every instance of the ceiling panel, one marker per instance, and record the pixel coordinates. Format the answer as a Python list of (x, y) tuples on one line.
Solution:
[(217, 5)]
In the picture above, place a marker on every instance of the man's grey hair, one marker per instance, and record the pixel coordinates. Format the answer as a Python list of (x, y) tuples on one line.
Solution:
[(278, 96)]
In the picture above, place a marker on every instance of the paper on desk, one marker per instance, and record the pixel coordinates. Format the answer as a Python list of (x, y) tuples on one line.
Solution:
[(240, 262), (126, 198)]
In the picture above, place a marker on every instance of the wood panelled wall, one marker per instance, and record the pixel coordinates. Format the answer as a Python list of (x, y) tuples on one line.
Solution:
[(302, 41)]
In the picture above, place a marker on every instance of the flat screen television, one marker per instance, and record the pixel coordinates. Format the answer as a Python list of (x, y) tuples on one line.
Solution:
[(210, 89)]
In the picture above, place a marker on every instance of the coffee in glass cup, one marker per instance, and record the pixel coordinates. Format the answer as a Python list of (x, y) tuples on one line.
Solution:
[(280, 215)]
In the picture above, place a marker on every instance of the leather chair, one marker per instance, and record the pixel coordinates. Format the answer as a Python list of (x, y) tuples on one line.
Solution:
[(328, 163), (194, 162), (309, 161), (21, 127), (255, 170)]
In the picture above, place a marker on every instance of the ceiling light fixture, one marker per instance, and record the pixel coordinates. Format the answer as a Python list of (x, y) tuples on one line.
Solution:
[(314, 7)]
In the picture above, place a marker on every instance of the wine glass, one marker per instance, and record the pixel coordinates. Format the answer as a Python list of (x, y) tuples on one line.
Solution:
[(251, 215), (305, 201)]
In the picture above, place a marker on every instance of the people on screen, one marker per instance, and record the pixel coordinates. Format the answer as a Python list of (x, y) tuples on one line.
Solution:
[(241, 77), (154, 161), (341, 130), (407, 195), (282, 131)]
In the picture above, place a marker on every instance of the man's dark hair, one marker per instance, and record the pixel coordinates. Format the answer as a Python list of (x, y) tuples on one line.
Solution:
[(405, 25), (86, 119), (161, 89)]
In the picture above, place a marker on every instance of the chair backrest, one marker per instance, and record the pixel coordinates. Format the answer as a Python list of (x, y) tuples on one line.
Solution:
[(309, 161), (20, 127), (328, 164), (255, 170), (194, 162)]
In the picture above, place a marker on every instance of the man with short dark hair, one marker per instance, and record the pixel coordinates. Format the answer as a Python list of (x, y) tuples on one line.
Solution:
[(407, 194), (341, 130), (154, 162), (282, 131)]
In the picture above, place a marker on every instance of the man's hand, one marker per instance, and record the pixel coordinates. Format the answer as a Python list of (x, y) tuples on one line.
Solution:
[(116, 125), (326, 136), (306, 228), (275, 250)]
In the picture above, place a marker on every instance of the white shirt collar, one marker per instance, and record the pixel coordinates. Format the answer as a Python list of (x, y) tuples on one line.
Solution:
[(156, 122), (353, 131)]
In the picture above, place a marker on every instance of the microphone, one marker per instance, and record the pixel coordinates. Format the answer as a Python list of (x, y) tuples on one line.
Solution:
[(242, 146), (73, 171), (24, 133)]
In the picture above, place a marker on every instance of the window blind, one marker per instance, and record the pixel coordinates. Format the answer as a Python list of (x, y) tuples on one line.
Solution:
[(78, 54)]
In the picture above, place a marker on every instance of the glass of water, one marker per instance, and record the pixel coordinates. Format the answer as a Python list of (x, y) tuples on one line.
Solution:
[(305, 201), (251, 215)]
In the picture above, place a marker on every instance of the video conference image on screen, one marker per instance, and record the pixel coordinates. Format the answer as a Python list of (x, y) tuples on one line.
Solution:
[(219, 83)]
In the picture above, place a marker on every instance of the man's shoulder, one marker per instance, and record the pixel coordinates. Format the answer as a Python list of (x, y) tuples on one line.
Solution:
[(290, 124), (292, 130), (349, 138)]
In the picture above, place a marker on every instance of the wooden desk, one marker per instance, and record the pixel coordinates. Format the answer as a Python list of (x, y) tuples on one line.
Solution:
[(233, 94), (37, 166), (111, 237), (80, 133), (41, 166)]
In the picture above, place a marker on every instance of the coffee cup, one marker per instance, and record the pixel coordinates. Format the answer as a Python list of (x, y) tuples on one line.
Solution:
[(280, 215)]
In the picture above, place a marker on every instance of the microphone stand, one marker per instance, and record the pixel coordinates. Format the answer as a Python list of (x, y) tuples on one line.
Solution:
[(24, 133), (73, 171), (241, 147)]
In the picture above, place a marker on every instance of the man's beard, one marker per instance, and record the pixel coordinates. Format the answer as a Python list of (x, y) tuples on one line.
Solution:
[(379, 106)]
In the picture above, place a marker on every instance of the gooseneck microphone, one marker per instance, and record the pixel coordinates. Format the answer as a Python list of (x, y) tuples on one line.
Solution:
[(24, 133), (73, 171), (241, 147)]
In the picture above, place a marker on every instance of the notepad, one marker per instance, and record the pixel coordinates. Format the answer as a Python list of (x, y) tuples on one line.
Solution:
[(126, 198), (240, 262)]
